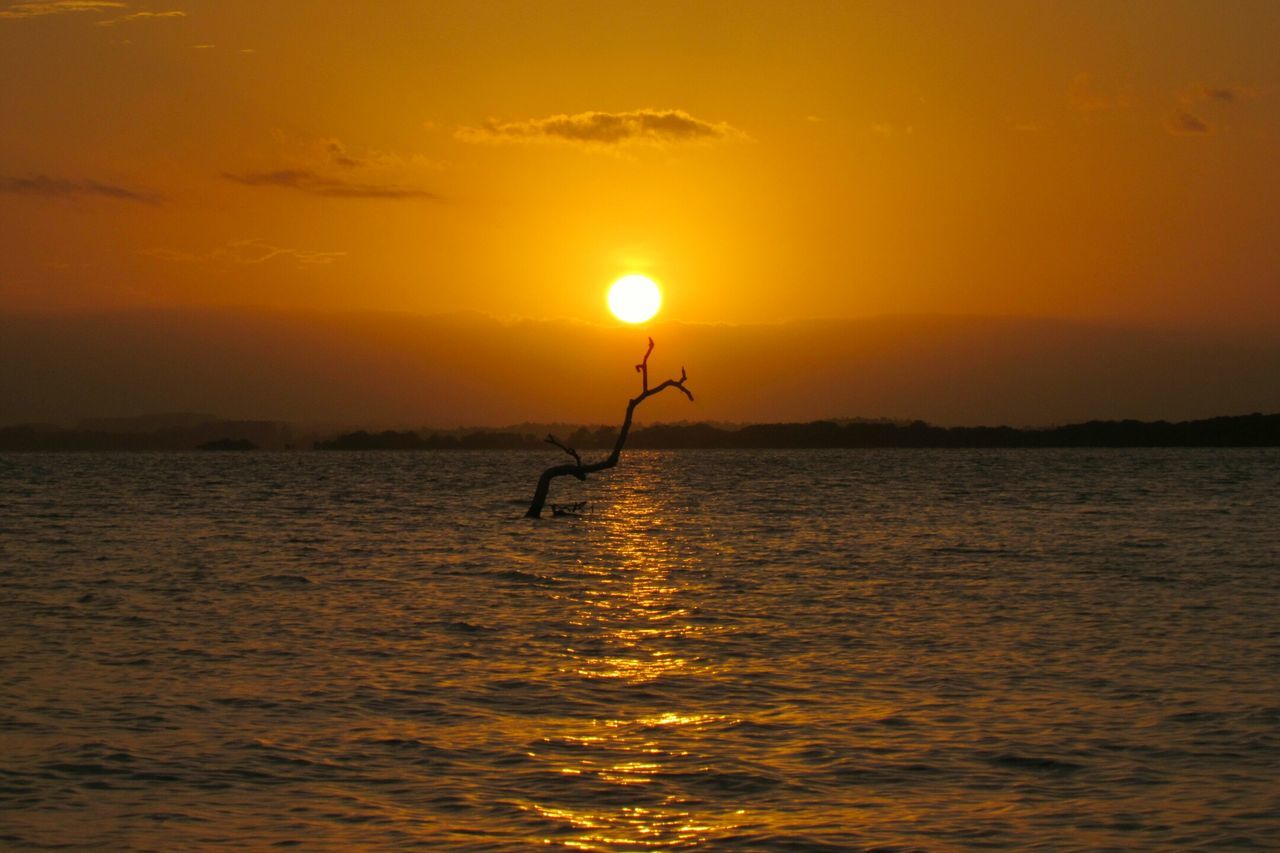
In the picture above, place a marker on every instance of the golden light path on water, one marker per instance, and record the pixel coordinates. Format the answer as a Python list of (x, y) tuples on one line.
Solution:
[(635, 618)]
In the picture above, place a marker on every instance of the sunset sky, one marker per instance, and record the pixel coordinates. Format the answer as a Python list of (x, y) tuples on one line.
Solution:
[(1101, 162)]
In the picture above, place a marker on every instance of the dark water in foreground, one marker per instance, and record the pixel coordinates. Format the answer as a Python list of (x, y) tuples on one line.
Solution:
[(769, 650)]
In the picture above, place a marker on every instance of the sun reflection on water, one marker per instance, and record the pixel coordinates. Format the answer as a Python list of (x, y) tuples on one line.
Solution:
[(635, 629)]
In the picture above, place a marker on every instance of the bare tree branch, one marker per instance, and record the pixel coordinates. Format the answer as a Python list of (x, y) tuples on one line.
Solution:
[(643, 368), (581, 470), (551, 439), (568, 509)]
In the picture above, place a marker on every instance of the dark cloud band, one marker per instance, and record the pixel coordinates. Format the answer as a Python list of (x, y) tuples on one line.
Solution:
[(1184, 122), (47, 187), (307, 181)]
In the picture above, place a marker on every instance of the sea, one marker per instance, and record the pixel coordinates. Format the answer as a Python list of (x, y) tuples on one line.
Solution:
[(766, 650)]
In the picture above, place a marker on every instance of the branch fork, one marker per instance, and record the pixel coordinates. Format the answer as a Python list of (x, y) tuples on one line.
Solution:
[(551, 439)]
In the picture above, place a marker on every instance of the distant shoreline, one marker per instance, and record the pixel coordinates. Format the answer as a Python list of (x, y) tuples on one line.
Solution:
[(1254, 430)]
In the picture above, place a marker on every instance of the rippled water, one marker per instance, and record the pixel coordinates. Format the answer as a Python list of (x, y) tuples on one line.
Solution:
[(768, 650)]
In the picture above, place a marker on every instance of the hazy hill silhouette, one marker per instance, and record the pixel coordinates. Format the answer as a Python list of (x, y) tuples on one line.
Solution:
[(173, 433), (146, 423), (406, 370)]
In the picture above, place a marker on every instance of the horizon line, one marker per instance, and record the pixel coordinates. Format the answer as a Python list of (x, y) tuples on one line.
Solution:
[(514, 320)]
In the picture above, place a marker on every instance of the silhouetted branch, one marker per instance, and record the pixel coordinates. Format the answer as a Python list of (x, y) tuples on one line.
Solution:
[(581, 470), (551, 439), (643, 368), (568, 509)]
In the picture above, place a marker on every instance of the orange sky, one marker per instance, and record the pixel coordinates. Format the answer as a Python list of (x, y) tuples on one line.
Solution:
[(762, 160), (1099, 164)]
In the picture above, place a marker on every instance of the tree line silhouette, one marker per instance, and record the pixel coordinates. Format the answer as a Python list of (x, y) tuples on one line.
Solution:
[(1255, 430)]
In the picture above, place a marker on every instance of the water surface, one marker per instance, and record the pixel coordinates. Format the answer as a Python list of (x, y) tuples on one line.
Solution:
[(733, 650)]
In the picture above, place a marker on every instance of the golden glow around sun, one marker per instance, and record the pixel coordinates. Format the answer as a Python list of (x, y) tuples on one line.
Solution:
[(634, 298)]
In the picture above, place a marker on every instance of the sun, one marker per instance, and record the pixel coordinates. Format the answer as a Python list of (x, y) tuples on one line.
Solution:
[(634, 298)]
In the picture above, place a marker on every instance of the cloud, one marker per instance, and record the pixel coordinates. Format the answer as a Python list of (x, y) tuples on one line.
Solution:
[(1202, 93), (642, 127), (43, 186), (338, 154), (138, 16), (41, 8), (326, 167), (315, 183), (1199, 97), (1183, 123), (44, 8), (249, 253), (1218, 94)]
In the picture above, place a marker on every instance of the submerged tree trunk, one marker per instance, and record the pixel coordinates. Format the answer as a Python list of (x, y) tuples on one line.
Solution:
[(580, 470)]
